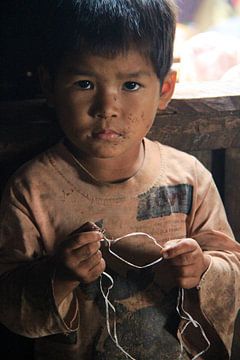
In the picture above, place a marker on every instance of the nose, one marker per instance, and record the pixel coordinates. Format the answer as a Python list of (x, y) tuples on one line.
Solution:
[(105, 104)]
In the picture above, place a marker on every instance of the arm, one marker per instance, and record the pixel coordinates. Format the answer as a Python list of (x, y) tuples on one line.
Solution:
[(208, 262), (27, 302), (219, 289), (37, 287)]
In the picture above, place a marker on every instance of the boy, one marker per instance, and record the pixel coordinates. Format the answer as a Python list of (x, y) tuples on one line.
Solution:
[(106, 70)]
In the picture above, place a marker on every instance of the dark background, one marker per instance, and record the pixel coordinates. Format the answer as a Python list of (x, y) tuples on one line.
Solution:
[(19, 50), (19, 56)]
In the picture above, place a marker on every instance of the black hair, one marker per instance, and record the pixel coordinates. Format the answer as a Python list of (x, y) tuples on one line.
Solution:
[(108, 27)]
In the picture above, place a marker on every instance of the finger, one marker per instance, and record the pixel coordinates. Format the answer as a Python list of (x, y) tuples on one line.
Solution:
[(184, 259), (185, 271), (88, 226), (97, 270), (82, 239), (87, 251), (91, 269), (96, 260), (173, 249), (87, 264)]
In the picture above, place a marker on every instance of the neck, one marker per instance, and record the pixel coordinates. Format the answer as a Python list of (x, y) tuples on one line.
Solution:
[(110, 170)]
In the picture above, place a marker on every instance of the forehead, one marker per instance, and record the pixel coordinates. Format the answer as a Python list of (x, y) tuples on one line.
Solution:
[(131, 61)]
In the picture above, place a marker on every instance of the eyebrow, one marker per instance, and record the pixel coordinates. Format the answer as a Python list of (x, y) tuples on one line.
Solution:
[(83, 72), (135, 74)]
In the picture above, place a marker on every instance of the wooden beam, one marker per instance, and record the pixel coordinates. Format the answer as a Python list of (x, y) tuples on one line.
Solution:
[(199, 124), (201, 116)]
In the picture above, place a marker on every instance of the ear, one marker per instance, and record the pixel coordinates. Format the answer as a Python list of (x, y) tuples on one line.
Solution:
[(46, 82), (167, 89)]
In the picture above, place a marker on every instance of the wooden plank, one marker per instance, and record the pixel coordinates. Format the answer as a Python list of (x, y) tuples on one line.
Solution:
[(201, 116), (200, 124)]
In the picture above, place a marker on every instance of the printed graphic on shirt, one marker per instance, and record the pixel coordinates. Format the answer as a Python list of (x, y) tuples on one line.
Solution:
[(164, 201)]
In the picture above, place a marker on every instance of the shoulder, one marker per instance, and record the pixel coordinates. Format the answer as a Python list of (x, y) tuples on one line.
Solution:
[(178, 163), (34, 172), (168, 151), (176, 156)]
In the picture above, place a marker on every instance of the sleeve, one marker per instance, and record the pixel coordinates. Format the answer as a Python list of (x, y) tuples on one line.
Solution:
[(26, 271), (219, 289)]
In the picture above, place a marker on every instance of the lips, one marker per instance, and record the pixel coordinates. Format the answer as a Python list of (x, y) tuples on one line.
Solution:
[(106, 134)]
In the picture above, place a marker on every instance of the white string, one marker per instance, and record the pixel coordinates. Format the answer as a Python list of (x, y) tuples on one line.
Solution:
[(113, 336), (190, 320), (110, 242), (108, 304), (186, 316)]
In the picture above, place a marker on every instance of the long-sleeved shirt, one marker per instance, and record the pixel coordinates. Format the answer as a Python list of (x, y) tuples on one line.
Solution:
[(171, 197)]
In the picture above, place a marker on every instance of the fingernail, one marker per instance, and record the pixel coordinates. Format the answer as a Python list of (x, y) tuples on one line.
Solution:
[(165, 255), (166, 251)]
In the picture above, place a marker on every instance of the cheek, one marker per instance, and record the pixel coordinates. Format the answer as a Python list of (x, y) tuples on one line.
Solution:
[(132, 124), (69, 111), (66, 116), (69, 101), (141, 122), (132, 118), (70, 123)]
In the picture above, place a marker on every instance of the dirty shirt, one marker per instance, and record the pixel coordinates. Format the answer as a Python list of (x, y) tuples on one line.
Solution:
[(172, 196)]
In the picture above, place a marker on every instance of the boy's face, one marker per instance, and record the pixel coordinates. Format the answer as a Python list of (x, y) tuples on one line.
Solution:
[(105, 106)]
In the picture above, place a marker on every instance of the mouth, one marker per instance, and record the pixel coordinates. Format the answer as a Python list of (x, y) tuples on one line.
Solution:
[(106, 134)]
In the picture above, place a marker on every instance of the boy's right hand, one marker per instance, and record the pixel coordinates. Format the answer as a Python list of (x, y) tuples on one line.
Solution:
[(78, 258)]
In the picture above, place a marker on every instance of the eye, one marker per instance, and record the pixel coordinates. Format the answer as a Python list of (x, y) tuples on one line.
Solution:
[(84, 84), (131, 86)]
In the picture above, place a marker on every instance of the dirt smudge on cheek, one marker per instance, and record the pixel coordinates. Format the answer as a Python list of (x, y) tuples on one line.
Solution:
[(145, 121), (132, 118)]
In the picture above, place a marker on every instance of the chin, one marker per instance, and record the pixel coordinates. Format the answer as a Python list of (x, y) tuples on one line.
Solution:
[(104, 154), (106, 151)]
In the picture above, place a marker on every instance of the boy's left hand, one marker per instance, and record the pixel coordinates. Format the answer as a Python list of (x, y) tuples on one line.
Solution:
[(187, 261)]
